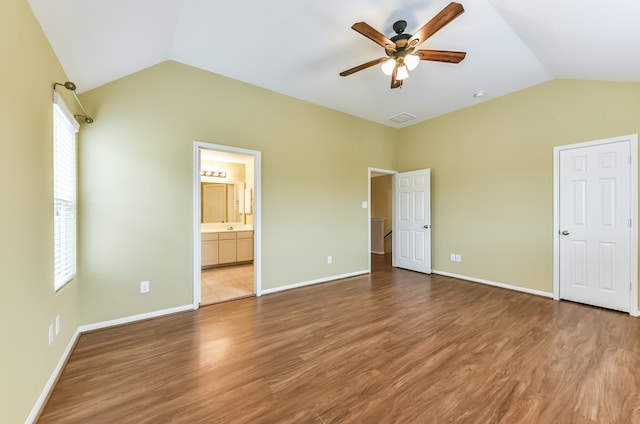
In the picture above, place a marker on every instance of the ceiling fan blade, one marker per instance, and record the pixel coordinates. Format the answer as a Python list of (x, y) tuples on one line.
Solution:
[(363, 66), (395, 83), (446, 15), (440, 55), (373, 34)]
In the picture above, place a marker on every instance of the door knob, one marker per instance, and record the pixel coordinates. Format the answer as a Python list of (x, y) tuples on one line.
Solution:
[(565, 233), (426, 226)]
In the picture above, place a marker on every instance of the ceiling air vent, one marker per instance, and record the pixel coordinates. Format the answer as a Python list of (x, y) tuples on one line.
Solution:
[(402, 118)]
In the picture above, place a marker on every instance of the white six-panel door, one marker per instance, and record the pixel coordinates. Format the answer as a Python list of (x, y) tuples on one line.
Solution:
[(412, 229), (595, 225)]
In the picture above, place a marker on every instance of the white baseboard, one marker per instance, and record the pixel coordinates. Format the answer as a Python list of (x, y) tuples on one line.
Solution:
[(509, 286), (377, 252), (134, 318), (495, 284), (312, 282), (82, 329), (52, 380)]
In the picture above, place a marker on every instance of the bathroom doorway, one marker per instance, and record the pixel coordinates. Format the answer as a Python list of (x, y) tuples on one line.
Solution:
[(226, 229)]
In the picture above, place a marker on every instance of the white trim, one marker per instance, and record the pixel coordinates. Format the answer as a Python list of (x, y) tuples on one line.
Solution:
[(46, 391), (133, 318), (633, 213), (257, 215), (556, 224), (493, 283), (633, 307), (312, 282), (196, 230), (393, 211), (375, 252)]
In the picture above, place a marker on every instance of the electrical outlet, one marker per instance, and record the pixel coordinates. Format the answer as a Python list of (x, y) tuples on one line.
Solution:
[(57, 324), (329, 259), (144, 287), (453, 257), (50, 333), (458, 258)]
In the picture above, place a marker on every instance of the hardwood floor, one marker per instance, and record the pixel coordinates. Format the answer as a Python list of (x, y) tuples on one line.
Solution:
[(390, 347)]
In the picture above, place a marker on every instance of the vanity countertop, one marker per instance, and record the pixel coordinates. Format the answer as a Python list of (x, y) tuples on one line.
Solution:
[(224, 228)]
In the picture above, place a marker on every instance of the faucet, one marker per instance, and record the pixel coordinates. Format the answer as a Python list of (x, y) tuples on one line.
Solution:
[(230, 228)]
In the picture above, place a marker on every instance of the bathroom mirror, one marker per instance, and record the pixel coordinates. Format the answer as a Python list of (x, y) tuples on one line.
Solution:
[(222, 202)]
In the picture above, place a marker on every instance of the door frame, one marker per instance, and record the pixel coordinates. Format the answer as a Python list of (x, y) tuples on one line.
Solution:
[(633, 213), (257, 216), (393, 212)]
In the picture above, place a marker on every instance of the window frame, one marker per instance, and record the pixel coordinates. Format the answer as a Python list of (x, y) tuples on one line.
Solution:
[(65, 193)]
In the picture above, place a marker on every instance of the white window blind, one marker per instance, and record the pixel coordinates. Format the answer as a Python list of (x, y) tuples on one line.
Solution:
[(65, 128)]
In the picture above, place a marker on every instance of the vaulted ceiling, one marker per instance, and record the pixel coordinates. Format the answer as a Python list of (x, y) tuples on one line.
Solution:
[(298, 48)]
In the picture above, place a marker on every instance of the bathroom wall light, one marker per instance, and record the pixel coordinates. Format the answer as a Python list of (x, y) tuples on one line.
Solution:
[(217, 174)]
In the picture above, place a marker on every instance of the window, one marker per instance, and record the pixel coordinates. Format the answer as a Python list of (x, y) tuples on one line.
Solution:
[(65, 128)]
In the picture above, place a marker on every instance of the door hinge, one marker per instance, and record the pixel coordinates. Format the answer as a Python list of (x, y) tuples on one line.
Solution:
[(629, 221), (629, 159), (630, 286)]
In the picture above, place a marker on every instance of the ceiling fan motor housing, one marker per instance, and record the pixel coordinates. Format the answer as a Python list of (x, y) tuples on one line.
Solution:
[(399, 51)]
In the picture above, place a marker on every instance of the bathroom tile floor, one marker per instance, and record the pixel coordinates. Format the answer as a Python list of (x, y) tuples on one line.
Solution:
[(226, 283)]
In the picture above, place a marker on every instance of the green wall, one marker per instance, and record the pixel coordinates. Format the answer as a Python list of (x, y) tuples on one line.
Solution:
[(492, 173), (136, 207), (28, 304)]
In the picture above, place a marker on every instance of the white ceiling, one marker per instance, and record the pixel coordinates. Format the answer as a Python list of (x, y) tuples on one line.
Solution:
[(298, 48)]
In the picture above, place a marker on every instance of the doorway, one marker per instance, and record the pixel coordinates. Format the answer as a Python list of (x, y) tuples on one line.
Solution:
[(226, 230), (595, 231), (380, 214)]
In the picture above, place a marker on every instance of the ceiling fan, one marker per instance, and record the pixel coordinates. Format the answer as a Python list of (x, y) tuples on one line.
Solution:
[(402, 55)]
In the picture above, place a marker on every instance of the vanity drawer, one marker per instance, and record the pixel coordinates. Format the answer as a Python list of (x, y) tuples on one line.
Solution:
[(245, 234), (209, 236), (227, 236)]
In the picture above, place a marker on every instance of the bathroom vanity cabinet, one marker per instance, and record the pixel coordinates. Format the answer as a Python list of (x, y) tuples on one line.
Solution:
[(209, 249), (244, 246), (227, 247)]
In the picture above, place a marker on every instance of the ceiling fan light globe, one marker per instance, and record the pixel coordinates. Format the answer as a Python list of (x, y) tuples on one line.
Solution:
[(411, 61), (387, 66), (402, 73)]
